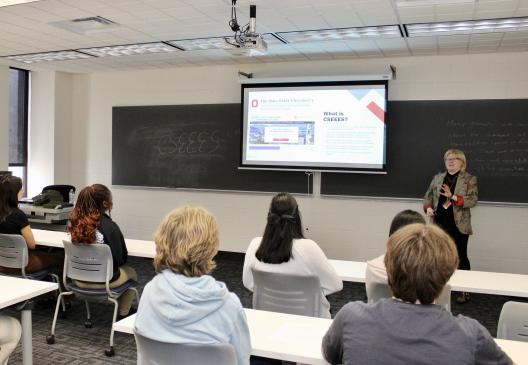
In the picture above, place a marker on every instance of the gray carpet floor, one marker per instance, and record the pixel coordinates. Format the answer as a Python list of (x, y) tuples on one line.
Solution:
[(76, 344)]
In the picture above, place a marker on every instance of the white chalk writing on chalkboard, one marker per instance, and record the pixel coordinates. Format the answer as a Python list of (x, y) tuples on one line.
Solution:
[(497, 148)]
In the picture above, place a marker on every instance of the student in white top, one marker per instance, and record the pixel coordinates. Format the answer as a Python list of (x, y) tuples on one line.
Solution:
[(10, 332), (283, 249), (376, 271)]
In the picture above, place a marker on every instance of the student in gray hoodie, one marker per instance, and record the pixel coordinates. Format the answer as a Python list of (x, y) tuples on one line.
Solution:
[(183, 304)]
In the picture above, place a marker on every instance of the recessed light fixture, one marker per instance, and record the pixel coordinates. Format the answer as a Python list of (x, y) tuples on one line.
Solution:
[(130, 49), (384, 31), (48, 56), (468, 27), (15, 2), (197, 44)]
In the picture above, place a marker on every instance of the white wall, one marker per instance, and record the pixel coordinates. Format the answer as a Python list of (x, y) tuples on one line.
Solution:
[(50, 130), (41, 163), (4, 117), (353, 229), (63, 128)]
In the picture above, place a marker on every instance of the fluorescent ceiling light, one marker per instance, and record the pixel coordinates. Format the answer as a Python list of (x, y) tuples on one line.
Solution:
[(15, 2), (468, 27), (129, 49), (409, 3), (198, 44), (385, 31), (48, 56)]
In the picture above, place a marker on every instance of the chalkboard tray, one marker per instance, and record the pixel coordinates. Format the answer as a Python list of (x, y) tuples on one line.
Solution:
[(492, 133), (189, 146)]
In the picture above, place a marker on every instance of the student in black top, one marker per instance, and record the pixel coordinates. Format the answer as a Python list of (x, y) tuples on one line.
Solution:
[(14, 221), (90, 222)]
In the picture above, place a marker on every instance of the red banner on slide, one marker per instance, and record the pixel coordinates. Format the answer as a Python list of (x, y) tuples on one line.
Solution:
[(377, 111)]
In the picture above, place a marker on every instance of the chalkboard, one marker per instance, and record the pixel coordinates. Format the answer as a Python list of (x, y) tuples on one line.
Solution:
[(188, 146), (492, 133)]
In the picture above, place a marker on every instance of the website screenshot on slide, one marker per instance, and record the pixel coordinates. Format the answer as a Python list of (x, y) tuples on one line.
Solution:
[(335, 126)]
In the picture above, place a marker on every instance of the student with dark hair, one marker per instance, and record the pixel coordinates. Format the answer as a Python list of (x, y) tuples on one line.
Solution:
[(283, 249), (90, 222), (14, 221), (376, 272), (409, 328)]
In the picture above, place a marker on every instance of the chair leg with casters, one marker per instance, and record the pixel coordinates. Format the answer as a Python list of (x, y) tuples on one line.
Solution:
[(110, 352), (56, 279), (88, 322), (51, 338)]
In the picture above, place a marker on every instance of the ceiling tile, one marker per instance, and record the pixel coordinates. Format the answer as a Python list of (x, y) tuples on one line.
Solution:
[(24, 28)]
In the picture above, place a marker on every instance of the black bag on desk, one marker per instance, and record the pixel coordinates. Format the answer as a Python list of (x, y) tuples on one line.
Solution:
[(40, 199), (48, 197)]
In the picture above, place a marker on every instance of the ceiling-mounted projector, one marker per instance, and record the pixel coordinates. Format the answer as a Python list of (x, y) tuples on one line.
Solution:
[(246, 42), (251, 45)]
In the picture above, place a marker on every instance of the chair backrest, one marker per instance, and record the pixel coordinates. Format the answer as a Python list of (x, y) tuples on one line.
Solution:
[(379, 291), (513, 322), (63, 189), (87, 262), (285, 293), (152, 352), (382, 290), (13, 252), (445, 298)]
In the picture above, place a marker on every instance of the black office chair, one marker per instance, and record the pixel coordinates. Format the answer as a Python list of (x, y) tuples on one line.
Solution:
[(63, 189)]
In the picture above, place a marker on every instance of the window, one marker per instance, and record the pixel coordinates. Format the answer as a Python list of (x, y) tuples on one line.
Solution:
[(18, 122)]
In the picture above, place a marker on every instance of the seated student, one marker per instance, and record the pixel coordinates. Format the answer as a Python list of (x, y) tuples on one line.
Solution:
[(376, 272), (10, 332), (183, 303), (90, 223), (283, 249), (14, 221), (408, 328)]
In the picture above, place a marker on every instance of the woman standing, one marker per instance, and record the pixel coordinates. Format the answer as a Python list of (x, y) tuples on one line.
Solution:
[(448, 200), (283, 249)]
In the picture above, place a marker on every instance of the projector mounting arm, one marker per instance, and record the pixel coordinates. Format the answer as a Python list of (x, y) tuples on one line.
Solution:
[(244, 32)]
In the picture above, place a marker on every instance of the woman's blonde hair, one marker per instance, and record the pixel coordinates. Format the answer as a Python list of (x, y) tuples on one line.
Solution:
[(420, 259), (456, 154), (186, 242)]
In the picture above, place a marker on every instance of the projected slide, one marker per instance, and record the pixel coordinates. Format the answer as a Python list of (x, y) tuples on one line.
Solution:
[(323, 127)]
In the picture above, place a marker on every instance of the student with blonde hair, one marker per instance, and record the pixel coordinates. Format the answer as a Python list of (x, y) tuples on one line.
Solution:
[(183, 303), (409, 328)]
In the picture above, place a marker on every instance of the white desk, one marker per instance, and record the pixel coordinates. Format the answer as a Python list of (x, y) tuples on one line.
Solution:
[(274, 335), (515, 285), (298, 338), (16, 290), (469, 281), (350, 270), (137, 248)]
